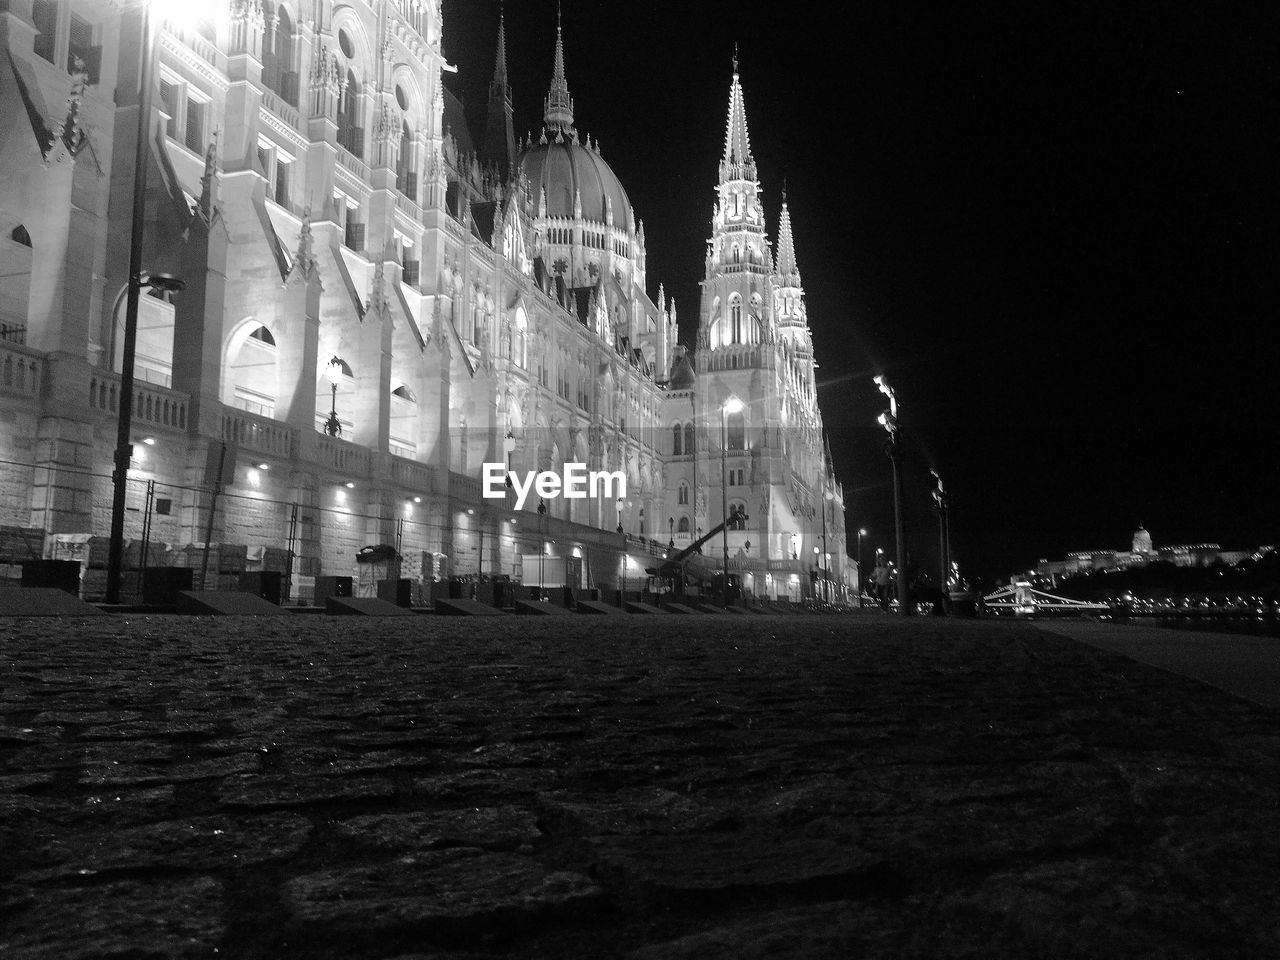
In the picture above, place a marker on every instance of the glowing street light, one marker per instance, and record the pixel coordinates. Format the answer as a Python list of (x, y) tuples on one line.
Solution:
[(893, 448), (334, 371), (862, 532), (941, 501)]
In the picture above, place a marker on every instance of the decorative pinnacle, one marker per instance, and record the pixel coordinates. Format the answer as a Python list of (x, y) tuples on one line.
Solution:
[(737, 144), (787, 268), (558, 107), (500, 62)]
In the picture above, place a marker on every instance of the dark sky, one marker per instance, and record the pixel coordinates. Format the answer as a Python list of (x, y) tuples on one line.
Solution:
[(1054, 230)]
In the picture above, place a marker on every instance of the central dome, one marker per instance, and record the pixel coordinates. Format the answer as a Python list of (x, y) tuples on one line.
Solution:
[(565, 168)]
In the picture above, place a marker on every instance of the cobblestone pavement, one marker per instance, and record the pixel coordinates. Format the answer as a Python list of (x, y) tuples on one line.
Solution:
[(709, 787)]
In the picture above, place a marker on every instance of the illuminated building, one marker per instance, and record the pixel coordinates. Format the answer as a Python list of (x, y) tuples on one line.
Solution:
[(374, 304)]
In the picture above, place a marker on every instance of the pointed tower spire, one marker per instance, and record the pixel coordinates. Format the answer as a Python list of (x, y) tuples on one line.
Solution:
[(737, 145), (499, 134), (557, 112), (787, 268)]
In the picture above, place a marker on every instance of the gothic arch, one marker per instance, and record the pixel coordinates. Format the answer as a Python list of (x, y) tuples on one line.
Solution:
[(250, 368)]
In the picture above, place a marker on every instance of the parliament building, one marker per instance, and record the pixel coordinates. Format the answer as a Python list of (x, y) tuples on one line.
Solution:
[(376, 298)]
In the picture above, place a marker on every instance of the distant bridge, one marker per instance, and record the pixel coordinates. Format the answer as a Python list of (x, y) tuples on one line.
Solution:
[(1025, 600)]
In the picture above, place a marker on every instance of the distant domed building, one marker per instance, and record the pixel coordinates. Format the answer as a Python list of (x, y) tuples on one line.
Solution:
[(1141, 553)]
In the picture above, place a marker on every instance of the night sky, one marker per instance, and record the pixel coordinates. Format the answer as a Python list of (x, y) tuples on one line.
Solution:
[(1054, 232)]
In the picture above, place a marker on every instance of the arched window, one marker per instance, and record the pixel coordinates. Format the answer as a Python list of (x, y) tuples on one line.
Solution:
[(406, 175), (518, 351), (278, 73), (737, 515), (350, 134), (688, 439), (683, 525), (682, 494), (735, 320), (737, 253), (737, 430), (676, 435)]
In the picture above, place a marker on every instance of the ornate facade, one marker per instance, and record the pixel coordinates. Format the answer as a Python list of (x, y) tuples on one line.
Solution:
[(374, 307)]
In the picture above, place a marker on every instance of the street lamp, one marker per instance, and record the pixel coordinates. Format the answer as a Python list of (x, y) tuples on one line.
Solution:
[(334, 370), (124, 449), (941, 502), (731, 406), (862, 532), (827, 496), (542, 542), (893, 448), (671, 529)]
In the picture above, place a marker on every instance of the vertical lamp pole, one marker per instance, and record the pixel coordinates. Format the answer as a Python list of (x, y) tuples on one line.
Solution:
[(889, 420), (622, 540), (333, 371), (732, 405), (862, 532), (124, 450), (826, 557), (944, 533), (542, 543)]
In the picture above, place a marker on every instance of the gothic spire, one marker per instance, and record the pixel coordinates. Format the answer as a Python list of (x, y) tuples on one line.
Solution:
[(500, 61), (787, 268), (499, 146), (558, 107), (737, 145)]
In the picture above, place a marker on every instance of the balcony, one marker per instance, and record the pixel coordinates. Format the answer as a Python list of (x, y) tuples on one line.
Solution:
[(157, 406), (257, 433), (21, 371)]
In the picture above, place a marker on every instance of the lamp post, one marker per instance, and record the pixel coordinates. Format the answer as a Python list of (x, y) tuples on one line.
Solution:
[(333, 371), (732, 405), (622, 542), (893, 448), (124, 449), (671, 529), (940, 501), (862, 532), (827, 496), (542, 542)]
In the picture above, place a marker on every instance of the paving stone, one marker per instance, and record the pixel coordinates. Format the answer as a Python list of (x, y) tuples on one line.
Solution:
[(24, 781), (256, 793), (450, 892), (823, 932), (490, 828), (199, 844), (159, 920), (718, 866), (482, 786)]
